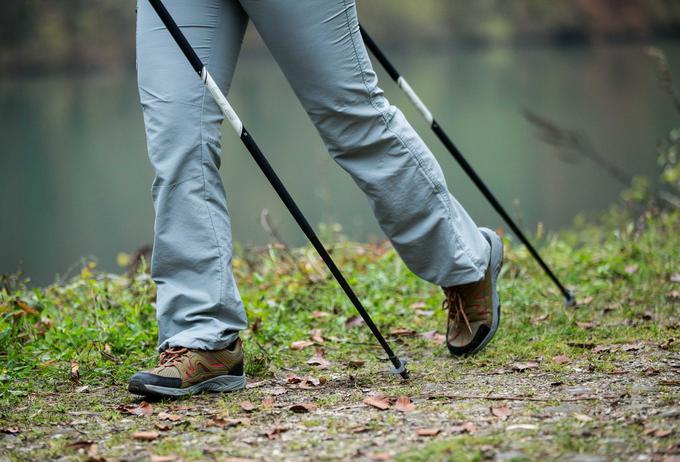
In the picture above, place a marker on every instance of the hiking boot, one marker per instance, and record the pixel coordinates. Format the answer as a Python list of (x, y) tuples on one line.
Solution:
[(182, 371), (475, 309)]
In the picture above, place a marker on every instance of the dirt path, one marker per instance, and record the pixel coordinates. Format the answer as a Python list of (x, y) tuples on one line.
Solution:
[(516, 412)]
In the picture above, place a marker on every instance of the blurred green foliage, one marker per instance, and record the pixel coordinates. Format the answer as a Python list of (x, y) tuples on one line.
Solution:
[(43, 35)]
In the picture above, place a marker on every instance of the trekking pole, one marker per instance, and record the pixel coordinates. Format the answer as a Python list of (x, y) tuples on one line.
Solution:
[(261, 160), (569, 299)]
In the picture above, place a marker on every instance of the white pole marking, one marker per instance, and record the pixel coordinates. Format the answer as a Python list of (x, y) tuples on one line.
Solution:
[(222, 102), (403, 84)]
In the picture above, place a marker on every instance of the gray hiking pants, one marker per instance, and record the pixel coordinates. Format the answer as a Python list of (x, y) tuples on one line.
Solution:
[(318, 46)]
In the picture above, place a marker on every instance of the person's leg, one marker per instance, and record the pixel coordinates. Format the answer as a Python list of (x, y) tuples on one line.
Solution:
[(198, 304), (318, 46)]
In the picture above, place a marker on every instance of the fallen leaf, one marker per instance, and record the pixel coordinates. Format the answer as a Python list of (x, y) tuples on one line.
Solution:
[(428, 431), (663, 432), (275, 432), (247, 406), (358, 429), (171, 417), (145, 436), (82, 389), (168, 458), (301, 344), (224, 422), (502, 412), (354, 321), (294, 379), (674, 294), (585, 301), (539, 319), (404, 404), (83, 444), (10, 430), (268, 401), (561, 359), (675, 277), (434, 336), (75, 372), (582, 417), (585, 325), (162, 426), (320, 314), (318, 359), (316, 335), (302, 408), (141, 409), (417, 305), (356, 363), (521, 367), (278, 391), (467, 427), (632, 346), (380, 456), (402, 332), (377, 401)]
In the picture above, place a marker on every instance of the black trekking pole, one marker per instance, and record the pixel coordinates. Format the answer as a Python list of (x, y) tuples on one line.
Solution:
[(569, 299), (261, 160)]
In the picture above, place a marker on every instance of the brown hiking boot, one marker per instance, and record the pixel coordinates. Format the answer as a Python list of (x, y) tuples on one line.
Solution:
[(182, 371), (475, 308)]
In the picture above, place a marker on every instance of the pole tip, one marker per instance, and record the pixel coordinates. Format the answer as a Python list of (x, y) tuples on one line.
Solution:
[(401, 370), (569, 299)]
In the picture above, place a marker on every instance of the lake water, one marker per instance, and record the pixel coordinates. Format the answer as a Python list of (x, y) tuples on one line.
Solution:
[(75, 179)]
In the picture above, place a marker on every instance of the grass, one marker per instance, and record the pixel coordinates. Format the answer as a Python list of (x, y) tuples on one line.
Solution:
[(625, 274)]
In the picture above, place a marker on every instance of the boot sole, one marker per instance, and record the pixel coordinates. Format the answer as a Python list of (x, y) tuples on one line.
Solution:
[(219, 384)]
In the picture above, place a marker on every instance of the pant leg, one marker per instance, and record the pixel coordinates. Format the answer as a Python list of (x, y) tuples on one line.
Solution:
[(318, 46), (198, 304)]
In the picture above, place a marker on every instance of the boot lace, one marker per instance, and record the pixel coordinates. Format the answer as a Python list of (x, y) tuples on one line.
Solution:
[(454, 303), (171, 356)]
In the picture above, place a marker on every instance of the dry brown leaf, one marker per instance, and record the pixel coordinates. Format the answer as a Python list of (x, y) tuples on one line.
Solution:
[(434, 336), (428, 431), (320, 314), (167, 458), (402, 332), (261, 383), (521, 367), (585, 325), (162, 426), (380, 456), (377, 401), (275, 432), (302, 408), (663, 432), (539, 319), (585, 301), (268, 401), (224, 422), (356, 363), (502, 412), (301, 344), (561, 359), (145, 435), (294, 379), (278, 391), (318, 359), (467, 427), (404, 404), (354, 321), (141, 409), (171, 417), (75, 372), (316, 335), (247, 406), (10, 430)]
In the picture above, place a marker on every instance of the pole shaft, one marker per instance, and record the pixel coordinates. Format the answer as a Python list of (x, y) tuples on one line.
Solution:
[(455, 152)]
